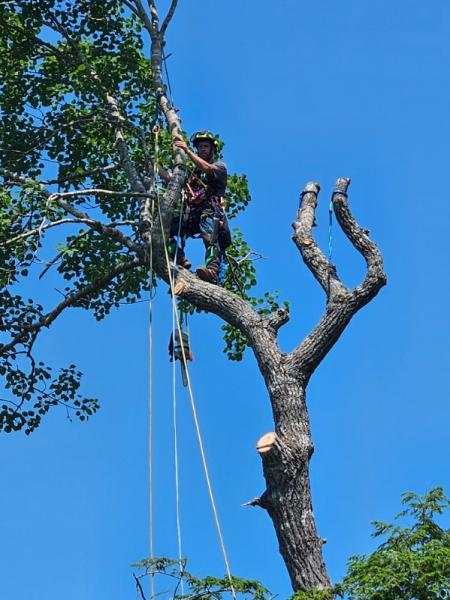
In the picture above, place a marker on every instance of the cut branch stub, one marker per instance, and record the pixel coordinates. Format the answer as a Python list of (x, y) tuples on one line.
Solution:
[(266, 442), (316, 261)]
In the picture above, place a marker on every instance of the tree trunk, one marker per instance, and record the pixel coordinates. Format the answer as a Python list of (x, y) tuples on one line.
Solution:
[(285, 455), (286, 452)]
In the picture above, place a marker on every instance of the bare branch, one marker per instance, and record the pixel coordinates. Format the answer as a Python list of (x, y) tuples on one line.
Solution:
[(169, 16), (107, 230), (153, 11), (258, 501), (71, 243), (343, 304), (277, 319), (70, 300), (131, 6), (316, 261), (359, 237), (83, 175), (237, 312), (94, 191), (39, 230), (139, 587)]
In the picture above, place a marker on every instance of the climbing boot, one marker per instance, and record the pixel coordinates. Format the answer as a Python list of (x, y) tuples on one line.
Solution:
[(210, 271), (182, 259)]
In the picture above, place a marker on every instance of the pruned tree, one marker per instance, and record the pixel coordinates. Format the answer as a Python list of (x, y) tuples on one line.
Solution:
[(78, 91)]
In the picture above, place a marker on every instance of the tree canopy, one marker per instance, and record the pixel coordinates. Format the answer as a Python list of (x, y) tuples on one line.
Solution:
[(413, 563), (71, 70), (100, 259)]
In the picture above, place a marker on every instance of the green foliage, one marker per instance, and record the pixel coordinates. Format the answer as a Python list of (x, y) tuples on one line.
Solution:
[(414, 561), (237, 195), (240, 278), (25, 379), (54, 118), (314, 595), (206, 588), (58, 60)]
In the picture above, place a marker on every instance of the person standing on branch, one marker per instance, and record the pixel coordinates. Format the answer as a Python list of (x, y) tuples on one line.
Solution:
[(203, 211)]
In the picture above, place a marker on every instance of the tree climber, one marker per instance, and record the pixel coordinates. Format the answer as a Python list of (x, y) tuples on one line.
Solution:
[(203, 212)]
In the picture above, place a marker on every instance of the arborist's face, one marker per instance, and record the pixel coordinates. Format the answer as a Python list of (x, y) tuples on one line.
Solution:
[(205, 150)]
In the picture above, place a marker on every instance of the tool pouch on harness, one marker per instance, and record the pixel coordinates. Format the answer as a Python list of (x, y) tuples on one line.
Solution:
[(221, 232), (196, 191)]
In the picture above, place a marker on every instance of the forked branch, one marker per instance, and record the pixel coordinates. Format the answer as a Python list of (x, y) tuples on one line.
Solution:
[(343, 303), (169, 16), (316, 261)]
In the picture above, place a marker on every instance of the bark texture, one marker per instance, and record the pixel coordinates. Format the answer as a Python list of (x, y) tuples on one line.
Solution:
[(286, 452)]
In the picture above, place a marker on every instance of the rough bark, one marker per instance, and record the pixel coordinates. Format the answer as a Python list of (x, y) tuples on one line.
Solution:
[(287, 451), (285, 454)]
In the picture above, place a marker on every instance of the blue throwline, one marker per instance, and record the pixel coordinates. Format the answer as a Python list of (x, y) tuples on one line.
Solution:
[(330, 230)]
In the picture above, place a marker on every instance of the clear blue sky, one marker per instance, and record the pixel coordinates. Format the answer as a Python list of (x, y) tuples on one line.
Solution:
[(298, 91)]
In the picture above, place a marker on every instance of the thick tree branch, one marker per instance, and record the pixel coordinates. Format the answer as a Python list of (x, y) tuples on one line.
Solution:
[(316, 261), (158, 233), (343, 305), (153, 11), (375, 278), (239, 313), (169, 16), (70, 300), (140, 11), (260, 331)]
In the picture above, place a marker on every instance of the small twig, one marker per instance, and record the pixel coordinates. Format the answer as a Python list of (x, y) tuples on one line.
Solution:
[(83, 175), (93, 191), (60, 254), (41, 228), (70, 300), (131, 7), (139, 587), (254, 502)]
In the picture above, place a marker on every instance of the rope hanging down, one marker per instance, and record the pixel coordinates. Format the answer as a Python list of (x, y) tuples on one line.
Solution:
[(150, 416), (176, 328)]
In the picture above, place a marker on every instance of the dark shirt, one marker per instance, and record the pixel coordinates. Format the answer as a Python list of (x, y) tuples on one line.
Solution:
[(216, 181)]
